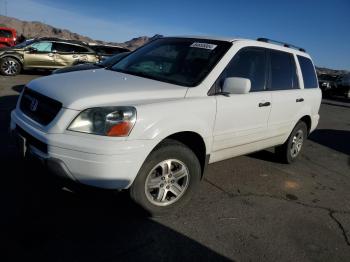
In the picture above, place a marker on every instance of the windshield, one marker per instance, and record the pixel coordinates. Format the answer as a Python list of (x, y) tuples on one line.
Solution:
[(5, 33), (24, 44), (181, 61)]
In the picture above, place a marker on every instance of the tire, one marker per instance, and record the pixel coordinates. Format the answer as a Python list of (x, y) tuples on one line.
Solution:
[(155, 179), (10, 66), (290, 150)]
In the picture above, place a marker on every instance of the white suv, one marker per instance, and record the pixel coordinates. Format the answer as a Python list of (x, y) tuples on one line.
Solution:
[(153, 121)]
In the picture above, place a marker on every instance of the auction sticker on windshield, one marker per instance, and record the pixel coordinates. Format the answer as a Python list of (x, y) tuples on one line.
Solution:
[(204, 45)]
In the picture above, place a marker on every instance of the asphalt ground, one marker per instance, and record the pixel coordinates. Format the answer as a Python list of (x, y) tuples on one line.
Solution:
[(249, 208)]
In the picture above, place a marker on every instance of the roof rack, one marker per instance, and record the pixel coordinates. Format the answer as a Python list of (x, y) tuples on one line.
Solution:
[(266, 40)]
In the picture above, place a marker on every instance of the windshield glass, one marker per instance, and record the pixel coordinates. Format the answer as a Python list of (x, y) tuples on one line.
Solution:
[(5, 33), (24, 44), (181, 61)]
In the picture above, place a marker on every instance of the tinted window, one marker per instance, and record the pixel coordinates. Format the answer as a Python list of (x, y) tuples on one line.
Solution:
[(106, 50), (42, 46), (308, 71), (5, 33), (282, 71), (249, 63), (113, 59), (182, 61), (68, 48)]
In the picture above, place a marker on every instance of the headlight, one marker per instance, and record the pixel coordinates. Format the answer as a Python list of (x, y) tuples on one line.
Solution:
[(106, 121)]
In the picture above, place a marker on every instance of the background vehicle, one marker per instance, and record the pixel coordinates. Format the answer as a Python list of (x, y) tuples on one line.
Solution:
[(344, 85), (8, 37), (105, 51), (44, 53), (154, 121), (87, 66), (327, 83)]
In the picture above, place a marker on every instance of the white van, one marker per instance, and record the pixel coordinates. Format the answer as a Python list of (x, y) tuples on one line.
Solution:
[(153, 121)]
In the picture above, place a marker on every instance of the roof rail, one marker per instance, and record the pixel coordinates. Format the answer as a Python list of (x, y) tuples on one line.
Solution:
[(266, 40)]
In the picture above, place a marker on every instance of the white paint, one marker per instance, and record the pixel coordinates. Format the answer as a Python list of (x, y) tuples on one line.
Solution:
[(230, 126)]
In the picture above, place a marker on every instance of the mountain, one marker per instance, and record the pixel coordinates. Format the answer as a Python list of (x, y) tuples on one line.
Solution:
[(38, 29), (139, 41), (327, 71)]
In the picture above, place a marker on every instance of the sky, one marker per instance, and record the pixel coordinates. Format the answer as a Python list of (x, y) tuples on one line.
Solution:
[(321, 27)]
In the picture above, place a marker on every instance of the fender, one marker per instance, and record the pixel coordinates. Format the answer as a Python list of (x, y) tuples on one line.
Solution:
[(14, 55), (158, 121)]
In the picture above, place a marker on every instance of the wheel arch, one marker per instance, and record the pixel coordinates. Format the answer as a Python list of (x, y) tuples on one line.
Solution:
[(20, 61), (307, 120), (193, 141)]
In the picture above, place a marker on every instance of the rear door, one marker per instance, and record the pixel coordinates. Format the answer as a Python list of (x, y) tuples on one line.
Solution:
[(39, 55), (310, 93), (67, 54), (286, 94)]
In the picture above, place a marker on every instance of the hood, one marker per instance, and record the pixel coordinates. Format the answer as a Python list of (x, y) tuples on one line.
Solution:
[(92, 88), (9, 50)]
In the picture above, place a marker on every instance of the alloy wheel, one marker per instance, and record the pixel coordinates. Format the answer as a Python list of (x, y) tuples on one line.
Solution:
[(297, 143), (167, 182), (10, 67)]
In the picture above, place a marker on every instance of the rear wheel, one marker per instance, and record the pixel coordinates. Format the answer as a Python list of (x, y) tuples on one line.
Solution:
[(167, 179), (290, 150), (10, 66)]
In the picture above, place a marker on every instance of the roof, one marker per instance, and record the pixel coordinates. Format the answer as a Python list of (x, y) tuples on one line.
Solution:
[(61, 40), (264, 42), (106, 45), (8, 29)]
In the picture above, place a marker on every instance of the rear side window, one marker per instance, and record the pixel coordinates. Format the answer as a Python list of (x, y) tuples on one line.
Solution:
[(249, 63), (308, 71), (282, 71), (68, 48), (102, 50)]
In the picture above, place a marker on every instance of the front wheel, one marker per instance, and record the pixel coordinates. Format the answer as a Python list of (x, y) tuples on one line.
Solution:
[(10, 66), (167, 179), (290, 150)]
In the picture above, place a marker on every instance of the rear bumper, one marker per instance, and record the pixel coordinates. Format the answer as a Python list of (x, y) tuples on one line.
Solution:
[(98, 161)]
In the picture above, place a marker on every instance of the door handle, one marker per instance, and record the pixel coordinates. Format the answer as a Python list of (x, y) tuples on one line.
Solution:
[(75, 56), (50, 54), (299, 100), (264, 104)]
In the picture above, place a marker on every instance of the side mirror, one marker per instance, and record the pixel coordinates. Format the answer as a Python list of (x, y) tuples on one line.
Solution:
[(32, 50), (236, 85)]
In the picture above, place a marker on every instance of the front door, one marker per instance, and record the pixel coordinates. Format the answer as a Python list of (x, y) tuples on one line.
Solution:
[(241, 120), (39, 55)]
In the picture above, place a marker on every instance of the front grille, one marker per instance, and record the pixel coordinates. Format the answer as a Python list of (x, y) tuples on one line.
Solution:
[(31, 140), (38, 107)]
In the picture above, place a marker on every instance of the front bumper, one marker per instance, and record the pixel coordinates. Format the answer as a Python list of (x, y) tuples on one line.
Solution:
[(87, 159)]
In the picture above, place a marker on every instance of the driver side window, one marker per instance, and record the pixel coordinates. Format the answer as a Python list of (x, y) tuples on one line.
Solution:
[(43, 47), (250, 63)]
